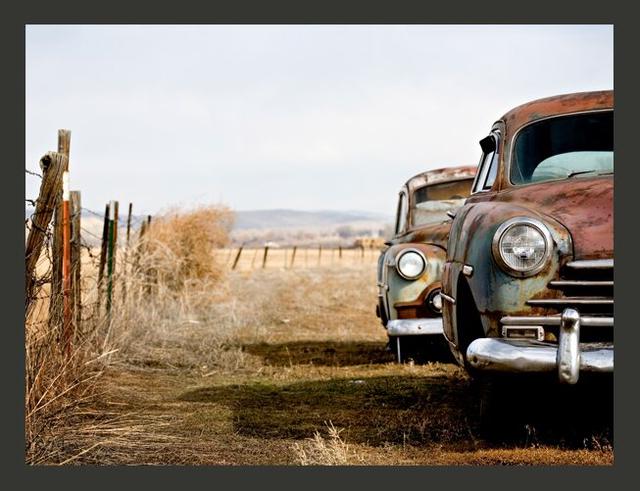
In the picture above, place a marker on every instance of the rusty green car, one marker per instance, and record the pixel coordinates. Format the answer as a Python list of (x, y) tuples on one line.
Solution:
[(409, 269), (528, 281)]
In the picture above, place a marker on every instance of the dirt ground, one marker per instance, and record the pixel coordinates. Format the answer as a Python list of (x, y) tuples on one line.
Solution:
[(303, 376)]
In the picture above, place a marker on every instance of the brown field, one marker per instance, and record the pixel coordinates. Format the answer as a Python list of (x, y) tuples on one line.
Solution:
[(305, 257), (289, 366)]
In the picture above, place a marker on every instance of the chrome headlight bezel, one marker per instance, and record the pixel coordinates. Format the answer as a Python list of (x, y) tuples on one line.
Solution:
[(402, 254), (496, 245)]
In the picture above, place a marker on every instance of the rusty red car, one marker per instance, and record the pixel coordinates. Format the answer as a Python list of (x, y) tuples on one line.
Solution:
[(528, 280), (409, 268)]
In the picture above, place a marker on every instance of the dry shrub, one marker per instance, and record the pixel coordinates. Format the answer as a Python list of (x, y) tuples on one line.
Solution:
[(332, 450), (178, 247), (173, 314)]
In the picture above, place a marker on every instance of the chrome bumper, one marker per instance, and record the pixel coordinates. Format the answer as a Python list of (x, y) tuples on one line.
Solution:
[(568, 357), (414, 327)]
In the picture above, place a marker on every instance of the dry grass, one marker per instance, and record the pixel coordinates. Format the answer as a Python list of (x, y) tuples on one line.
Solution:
[(248, 372), (167, 277), (330, 450)]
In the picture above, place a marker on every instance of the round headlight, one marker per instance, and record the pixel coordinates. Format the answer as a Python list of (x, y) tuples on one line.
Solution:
[(522, 246), (411, 264), (434, 300)]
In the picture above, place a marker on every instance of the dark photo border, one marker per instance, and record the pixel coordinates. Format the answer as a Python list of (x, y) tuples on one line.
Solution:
[(17, 16)]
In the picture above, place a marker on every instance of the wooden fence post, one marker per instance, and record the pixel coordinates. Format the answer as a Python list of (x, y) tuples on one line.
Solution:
[(52, 165), (111, 253), (64, 144), (340, 252), (103, 253), (76, 258), (264, 259), (319, 254), (293, 256), (235, 262), (67, 302)]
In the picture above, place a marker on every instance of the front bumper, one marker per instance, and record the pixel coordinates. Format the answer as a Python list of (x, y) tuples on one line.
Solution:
[(415, 327), (569, 357)]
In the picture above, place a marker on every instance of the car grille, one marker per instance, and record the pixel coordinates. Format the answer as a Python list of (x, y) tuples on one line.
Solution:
[(586, 286)]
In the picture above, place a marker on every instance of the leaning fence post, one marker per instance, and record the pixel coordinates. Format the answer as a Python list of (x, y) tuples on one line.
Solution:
[(64, 144), (293, 256), (235, 262), (103, 252), (264, 258), (52, 165)]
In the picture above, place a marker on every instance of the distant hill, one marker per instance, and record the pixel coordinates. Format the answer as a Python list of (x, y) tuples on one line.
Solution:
[(285, 219), (281, 226)]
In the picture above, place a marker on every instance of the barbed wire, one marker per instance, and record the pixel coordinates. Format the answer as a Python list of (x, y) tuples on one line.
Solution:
[(30, 172)]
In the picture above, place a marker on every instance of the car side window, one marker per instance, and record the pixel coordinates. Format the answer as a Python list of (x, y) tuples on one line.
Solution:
[(488, 166), (401, 217)]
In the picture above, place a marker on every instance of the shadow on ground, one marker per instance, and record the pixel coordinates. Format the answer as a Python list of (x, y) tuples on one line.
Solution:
[(342, 353), (439, 409), (321, 353)]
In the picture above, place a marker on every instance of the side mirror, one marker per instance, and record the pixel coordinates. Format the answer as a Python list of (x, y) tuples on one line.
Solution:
[(451, 214)]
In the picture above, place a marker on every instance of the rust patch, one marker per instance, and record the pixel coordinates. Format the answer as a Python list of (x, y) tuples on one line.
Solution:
[(556, 106)]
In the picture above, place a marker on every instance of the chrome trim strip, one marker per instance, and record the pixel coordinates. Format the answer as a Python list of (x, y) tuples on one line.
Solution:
[(591, 264), (585, 321), (414, 327), (561, 283), (568, 356), (571, 301), (502, 355), (446, 297)]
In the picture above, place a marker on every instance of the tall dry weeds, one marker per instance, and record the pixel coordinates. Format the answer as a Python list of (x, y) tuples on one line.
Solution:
[(164, 284), (329, 450)]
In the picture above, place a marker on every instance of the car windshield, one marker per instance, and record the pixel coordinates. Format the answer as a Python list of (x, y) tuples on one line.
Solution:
[(573, 146), (431, 202)]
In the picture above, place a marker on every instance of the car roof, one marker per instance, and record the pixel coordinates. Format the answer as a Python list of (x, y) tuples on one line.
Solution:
[(441, 175), (558, 105)]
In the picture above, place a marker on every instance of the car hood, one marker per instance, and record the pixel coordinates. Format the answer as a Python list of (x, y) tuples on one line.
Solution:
[(435, 233), (583, 205)]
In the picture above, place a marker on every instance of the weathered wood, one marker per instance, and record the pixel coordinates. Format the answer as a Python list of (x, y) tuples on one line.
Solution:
[(129, 223), (293, 255), (64, 146), (76, 257), (103, 254), (264, 258), (235, 262), (339, 252), (52, 165), (111, 253), (67, 301)]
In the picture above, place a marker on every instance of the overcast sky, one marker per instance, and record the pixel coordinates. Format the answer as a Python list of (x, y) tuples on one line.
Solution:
[(301, 117)]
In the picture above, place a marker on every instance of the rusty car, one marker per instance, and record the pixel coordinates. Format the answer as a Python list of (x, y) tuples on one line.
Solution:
[(527, 286), (409, 268)]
